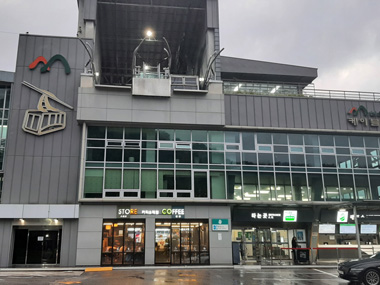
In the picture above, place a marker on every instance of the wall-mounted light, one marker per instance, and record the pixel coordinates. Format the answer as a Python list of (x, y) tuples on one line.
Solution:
[(56, 221), (22, 220), (149, 33)]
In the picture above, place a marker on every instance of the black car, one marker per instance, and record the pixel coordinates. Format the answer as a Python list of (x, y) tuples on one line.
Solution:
[(365, 270)]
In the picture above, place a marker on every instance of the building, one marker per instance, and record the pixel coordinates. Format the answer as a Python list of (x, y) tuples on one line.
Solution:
[(138, 144)]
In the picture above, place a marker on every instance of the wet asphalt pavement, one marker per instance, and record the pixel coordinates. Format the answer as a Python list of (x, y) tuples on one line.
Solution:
[(178, 276)]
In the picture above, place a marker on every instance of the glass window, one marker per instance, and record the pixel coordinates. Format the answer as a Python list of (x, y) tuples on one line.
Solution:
[(234, 187), (277, 148), (114, 133), (326, 140), (346, 187), (114, 155), (373, 162), (356, 141), (248, 141), (371, 142), (331, 187), (233, 158), (312, 149), (313, 161), (93, 183), (131, 179), (281, 159), (149, 156), (375, 187), (183, 135), (232, 137), (96, 132), (280, 139), (166, 135), (264, 138), (132, 155), (183, 180), (359, 161), (166, 156), (295, 139), (297, 159), (362, 187), (344, 161), (132, 134), (216, 157), (148, 183), (95, 143), (200, 157), (328, 161), (311, 140), (316, 187), (149, 134), (267, 186), (200, 184), (341, 141), (265, 148), (94, 154), (113, 179), (265, 159), (183, 156), (200, 136), (300, 187), (203, 146), (250, 186), (342, 150), (216, 136), (217, 184), (166, 179), (283, 187), (249, 158)]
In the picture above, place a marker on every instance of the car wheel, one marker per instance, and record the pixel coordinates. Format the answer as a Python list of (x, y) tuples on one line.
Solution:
[(371, 277)]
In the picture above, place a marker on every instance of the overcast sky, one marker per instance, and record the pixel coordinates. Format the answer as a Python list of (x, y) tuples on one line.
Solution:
[(339, 37)]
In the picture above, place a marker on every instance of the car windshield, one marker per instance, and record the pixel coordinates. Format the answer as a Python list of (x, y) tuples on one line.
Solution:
[(376, 255)]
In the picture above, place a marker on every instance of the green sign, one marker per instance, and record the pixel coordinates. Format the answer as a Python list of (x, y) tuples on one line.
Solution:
[(290, 216), (219, 225)]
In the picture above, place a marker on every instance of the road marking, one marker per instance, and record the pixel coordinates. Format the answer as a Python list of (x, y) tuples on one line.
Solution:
[(335, 275), (293, 279)]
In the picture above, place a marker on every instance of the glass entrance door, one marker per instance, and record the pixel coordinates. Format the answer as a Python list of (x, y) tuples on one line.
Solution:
[(163, 242)]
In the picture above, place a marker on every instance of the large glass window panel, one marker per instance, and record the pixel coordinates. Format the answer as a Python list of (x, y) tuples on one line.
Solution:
[(312, 150), (359, 161), (283, 187), (183, 135), (316, 187), (311, 140), (132, 134), (344, 161), (166, 135), (200, 157), (149, 155), (264, 138), (131, 179), (233, 158), (132, 155), (331, 187), (166, 156), (300, 187), (295, 139), (280, 139), (114, 155), (183, 156), (249, 158), (375, 187), (113, 179), (265, 158), (248, 141), (203, 146), (326, 140), (95, 143), (371, 142), (183, 180), (250, 186), (362, 187), (267, 186), (281, 159), (93, 183), (148, 183), (341, 141), (328, 161), (313, 161), (166, 179), (297, 160), (373, 162), (96, 132), (95, 154), (114, 133), (149, 134), (217, 185), (200, 184), (199, 136), (216, 157), (216, 136), (346, 187), (356, 141), (232, 137), (234, 185)]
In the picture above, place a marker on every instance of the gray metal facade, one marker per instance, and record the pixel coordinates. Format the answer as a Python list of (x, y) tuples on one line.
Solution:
[(44, 169), (292, 113)]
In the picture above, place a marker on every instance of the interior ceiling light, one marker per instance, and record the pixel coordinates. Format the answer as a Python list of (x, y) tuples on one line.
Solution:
[(149, 33)]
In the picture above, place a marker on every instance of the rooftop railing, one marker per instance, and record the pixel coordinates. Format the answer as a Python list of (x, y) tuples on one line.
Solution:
[(295, 90)]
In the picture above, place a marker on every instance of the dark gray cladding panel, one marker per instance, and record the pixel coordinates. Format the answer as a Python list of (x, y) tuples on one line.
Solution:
[(5, 241), (69, 242), (298, 113), (44, 169)]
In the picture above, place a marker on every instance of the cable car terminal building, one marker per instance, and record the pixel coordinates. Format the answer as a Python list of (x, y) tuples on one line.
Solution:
[(137, 143)]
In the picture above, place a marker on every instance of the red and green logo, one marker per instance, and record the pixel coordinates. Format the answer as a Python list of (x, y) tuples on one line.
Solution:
[(356, 111), (47, 64)]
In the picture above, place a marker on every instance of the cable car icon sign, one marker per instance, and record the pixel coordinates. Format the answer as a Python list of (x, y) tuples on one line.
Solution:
[(46, 119)]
